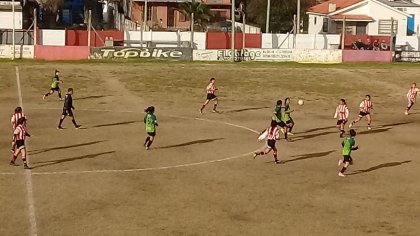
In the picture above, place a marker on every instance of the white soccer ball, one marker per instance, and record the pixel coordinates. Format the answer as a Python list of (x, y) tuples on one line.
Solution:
[(300, 102)]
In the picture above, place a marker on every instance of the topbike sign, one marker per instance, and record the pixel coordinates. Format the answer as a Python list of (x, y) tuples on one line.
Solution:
[(142, 53)]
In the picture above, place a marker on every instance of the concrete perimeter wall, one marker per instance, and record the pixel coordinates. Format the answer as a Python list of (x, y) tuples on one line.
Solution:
[(65, 53), (367, 56)]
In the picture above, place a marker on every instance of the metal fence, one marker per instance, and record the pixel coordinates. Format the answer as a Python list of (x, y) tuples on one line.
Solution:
[(22, 37)]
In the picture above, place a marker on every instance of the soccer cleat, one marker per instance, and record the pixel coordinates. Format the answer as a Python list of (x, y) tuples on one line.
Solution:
[(290, 133), (12, 163), (350, 125), (59, 127), (147, 148), (43, 97), (282, 130), (369, 128), (215, 111), (255, 155), (26, 167), (406, 113), (201, 111), (277, 162), (77, 126), (341, 174)]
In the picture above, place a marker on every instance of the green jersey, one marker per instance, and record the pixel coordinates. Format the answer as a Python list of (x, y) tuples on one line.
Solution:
[(277, 113), (55, 81), (286, 116), (151, 123), (348, 145)]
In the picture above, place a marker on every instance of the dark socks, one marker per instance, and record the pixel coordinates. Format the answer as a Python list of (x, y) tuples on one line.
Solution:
[(24, 161), (149, 143), (61, 122), (343, 169), (74, 122), (146, 141), (215, 106)]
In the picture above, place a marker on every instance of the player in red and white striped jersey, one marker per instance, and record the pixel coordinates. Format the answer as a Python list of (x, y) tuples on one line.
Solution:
[(20, 133), (272, 135), (211, 96), (342, 114), (411, 96), (13, 121), (365, 110)]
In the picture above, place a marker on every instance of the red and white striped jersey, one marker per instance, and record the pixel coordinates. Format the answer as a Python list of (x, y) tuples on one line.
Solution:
[(15, 118), (412, 94), (272, 133), (366, 106), (342, 112), (211, 88), (20, 132)]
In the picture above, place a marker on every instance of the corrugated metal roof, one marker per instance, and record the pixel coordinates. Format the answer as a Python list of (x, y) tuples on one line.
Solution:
[(399, 3)]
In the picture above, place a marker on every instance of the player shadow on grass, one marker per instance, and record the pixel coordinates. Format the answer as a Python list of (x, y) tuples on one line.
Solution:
[(308, 156), (309, 136), (59, 161), (245, 109), (34, 152), (92, 97), (114, 124), (385, 165), (316, 129), (201, 141)]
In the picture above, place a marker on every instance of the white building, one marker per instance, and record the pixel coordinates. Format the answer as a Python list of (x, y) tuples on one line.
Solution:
[(6, 15), (371, 17)]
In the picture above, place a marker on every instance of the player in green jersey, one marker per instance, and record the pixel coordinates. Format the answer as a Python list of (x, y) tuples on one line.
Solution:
[(54, 85), (286, 118), (349, 144), (277, 117), (151, 123)]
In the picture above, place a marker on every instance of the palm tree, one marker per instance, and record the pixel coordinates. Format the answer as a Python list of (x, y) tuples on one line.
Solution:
[(200, 10)]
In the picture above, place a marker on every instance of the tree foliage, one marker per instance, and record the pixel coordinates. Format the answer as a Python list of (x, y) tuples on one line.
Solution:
[(201, 12), (281, 13)]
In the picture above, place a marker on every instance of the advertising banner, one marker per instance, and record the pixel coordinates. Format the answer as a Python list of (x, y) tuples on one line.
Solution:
[(405, 56), (243, 55), (21, 51), (141, 53)]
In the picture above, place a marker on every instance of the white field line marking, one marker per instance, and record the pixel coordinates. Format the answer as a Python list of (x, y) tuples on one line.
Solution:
[(28, 175), (142, 169), (150, 168)]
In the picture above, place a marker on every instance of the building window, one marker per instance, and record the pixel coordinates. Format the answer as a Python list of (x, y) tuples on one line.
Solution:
[(149, 13), (325, 25), (315, 20), (384, 26), (182, 17)]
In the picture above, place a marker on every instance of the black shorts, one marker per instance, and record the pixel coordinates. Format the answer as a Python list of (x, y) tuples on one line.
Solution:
[(153, 134), (211, 96), (271, 143), (56, 89), (20, 144), (289, 122), (361, 114), (339, 122), (67, 112), (281, 124), (347, 158)]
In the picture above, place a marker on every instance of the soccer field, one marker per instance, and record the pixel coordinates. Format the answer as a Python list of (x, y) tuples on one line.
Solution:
[(199, 178)]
